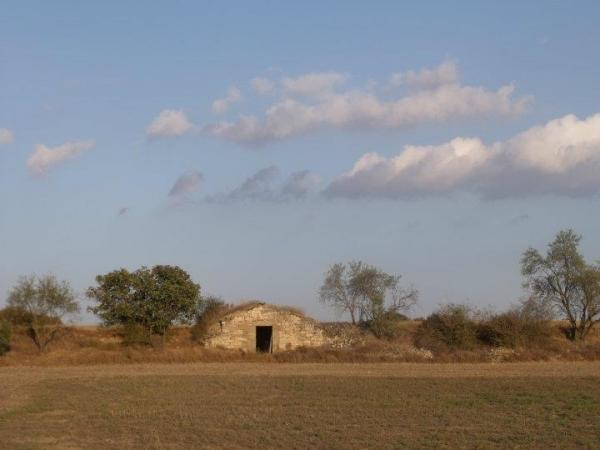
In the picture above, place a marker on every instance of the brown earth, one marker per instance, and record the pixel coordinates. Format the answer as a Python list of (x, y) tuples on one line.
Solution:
[(257, 405)]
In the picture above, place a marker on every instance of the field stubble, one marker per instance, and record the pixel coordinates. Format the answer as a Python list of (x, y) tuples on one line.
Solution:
[(258, 405)]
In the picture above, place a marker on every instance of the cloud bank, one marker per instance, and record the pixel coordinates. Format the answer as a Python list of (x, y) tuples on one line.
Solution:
[(6, 136), (44, 158), (561, 157), (169, 122), (314, 101)]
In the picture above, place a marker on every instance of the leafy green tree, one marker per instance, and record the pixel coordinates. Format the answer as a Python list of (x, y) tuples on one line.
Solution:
[(154, 298), (367, 293), (563, 280), (41, 304)]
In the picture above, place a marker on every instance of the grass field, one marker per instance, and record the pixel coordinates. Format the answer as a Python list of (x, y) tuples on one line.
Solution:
[(241, 405)]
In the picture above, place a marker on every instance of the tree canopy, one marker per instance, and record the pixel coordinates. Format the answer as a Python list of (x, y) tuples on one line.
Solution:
[(153, 298)]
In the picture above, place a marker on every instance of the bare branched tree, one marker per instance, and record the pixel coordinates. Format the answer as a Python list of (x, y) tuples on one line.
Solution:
[(563, 280), (365, 292), (42, 303)]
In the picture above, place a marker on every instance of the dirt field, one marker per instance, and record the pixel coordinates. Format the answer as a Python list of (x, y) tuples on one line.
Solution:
[(241, 405)]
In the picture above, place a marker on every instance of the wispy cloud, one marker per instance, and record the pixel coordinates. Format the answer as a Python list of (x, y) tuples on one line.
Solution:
[(220, 106), (6, 136), (169, 122), (313, 84), (255, 187), (44, 158), (561, 157), (446, 73), (314, 101), (299, 184), (186, 184), (262, 85), (264, 186)]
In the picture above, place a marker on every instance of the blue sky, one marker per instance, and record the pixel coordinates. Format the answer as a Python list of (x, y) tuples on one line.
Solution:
[(473, 131)]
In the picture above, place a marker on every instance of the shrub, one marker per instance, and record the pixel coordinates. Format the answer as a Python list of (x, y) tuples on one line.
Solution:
[(386, 325), (210, 309), (527, 325), (450, 327), (39, 304), (5, 335), (134, 334)]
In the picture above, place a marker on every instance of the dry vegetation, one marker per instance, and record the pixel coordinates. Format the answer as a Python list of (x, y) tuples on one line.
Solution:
[(254, 405), (99, 345)]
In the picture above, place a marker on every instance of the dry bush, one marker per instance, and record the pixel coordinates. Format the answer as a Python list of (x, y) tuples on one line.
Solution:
[(452, 327), (212, 309), (5, 337), (387, 325), (528, 324), (20, 317), (133, 334), (512, 329), (85, 345), (42, 329)]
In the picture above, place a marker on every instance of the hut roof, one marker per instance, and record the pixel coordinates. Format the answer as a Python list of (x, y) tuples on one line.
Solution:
[(248, 305)]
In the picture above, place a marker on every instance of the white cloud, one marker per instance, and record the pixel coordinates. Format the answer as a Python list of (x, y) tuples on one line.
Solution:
[(6, 136), (169, 122), (312, 84), (360, 108), (43, 158), (186, 184), (561, 157), (445, 73), (262, 85), (221, 105)]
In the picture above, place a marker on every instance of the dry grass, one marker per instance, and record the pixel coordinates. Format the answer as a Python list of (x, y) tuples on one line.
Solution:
[(85, 345), (249, 405)]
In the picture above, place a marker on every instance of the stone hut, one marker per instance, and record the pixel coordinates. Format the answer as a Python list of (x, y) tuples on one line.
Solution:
[(259, 327)]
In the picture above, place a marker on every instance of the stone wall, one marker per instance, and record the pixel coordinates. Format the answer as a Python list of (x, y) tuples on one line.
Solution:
[(237, 329)]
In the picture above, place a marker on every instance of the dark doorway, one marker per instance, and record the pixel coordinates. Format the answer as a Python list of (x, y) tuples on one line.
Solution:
[(264, 339)]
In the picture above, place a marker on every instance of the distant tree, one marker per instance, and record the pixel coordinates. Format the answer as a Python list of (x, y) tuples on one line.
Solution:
[(153, 299), (563, 280), (367, 293), (40, 304), (335, 291)]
